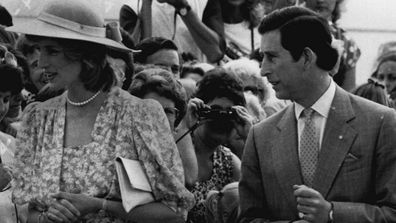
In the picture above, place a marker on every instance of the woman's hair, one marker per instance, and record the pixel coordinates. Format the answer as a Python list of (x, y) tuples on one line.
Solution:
[(127, 57), (249, 72), (96, 73), (141, 67), (196, 67), (21, 63), (222, 206), (218, 83), (25, 46), (373, 91), (189, 86), (7, 37), (186, 69), (254, 107), (163, 83), (249, 11), (10, 79), (381, 60)]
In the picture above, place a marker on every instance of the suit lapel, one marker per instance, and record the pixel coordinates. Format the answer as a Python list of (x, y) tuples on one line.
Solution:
[(337, 140), (285, 155)]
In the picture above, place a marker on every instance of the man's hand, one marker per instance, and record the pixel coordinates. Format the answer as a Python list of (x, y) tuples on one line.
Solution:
[(311, 204)]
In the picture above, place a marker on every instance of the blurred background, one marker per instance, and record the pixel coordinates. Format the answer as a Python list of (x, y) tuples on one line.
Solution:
[(368, 22)]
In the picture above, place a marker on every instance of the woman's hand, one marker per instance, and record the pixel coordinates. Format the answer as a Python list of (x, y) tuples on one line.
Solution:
[(83, 203), (244, 122), (62, 211), (194, 105)]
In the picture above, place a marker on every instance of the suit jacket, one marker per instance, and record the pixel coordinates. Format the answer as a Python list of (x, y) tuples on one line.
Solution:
[(356, 167)]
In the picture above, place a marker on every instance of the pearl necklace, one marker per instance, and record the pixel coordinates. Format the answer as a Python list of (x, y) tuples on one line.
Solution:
[(79, 104)]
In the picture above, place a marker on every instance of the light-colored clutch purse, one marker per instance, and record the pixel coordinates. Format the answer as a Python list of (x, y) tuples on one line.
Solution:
[(134, 185)]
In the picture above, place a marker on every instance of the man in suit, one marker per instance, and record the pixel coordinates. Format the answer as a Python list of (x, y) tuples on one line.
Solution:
[(335, 163)]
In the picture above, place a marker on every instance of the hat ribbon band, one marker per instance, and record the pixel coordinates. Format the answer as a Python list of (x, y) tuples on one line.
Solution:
[(73, 26)]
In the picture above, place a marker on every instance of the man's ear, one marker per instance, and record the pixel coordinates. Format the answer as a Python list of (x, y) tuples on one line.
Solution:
[(308, 57)]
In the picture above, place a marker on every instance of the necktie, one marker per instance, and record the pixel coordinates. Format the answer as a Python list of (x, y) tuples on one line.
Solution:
[(309, 145)]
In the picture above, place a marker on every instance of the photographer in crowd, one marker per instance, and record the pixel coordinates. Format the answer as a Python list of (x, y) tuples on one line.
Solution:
[(218, 108)]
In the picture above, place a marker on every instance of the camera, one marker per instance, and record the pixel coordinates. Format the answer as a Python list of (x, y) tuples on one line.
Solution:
[(217, 114)]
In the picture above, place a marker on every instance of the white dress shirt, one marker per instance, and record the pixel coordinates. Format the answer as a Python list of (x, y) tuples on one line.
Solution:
[(321, 108)]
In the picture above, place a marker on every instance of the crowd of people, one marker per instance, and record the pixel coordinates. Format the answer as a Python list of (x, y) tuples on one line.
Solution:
[(234, 110)]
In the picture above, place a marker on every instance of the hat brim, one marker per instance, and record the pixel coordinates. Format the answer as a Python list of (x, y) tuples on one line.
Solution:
[(40, 28)]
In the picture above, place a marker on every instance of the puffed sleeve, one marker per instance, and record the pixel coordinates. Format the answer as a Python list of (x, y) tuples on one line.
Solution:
[(23, 167), (352, 52), (160, 158)]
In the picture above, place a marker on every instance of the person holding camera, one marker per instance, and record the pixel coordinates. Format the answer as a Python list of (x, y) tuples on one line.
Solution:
[(218, 108)]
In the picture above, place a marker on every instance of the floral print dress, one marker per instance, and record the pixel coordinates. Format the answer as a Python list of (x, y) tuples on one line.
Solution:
[(222, 175), (350, 56), (125, 126)]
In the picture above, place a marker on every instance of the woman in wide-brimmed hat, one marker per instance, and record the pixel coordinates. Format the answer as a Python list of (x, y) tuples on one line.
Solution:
[(66, 149)]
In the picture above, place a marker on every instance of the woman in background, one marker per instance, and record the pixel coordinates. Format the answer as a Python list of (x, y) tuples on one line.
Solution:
[(36, 87), (373, 91), (386, 74), (160, 85), (217, 166), (331, 11)]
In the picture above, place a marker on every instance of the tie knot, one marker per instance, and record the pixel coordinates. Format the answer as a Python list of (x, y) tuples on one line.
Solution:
[(307, 113)]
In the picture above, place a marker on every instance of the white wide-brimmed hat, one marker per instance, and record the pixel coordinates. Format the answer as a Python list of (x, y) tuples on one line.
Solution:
[(71, 19)]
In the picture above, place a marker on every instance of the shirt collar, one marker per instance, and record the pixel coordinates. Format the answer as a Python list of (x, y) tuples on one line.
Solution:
[(322, 105)]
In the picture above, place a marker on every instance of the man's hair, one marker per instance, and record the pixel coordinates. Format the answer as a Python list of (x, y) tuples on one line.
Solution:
[(300, 28), (10, 79), (219, 83), (151, 45)]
